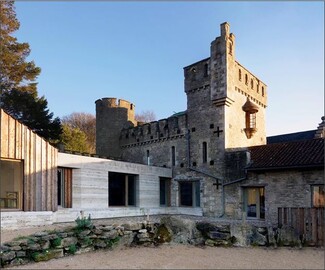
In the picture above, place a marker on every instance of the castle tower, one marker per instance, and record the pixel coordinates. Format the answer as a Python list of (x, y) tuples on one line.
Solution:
[(111, 117)]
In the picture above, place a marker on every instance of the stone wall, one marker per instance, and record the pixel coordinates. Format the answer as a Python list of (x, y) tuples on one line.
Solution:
[(289, 188), (86, 237)]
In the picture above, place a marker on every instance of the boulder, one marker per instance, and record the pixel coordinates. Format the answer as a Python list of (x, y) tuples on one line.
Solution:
[(8, 256), (132, 226), (66, 242), (48, 255), (40, 234), (163, 235), (99, 243)]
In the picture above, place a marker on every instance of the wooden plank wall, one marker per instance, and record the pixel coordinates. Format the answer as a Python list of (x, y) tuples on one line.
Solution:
[(40, 163), (307, 222)]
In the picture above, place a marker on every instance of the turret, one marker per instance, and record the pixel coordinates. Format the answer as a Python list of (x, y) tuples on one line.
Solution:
[(112, 116)]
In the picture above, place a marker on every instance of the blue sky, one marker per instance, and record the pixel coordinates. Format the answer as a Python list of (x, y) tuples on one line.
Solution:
[(137, 50)]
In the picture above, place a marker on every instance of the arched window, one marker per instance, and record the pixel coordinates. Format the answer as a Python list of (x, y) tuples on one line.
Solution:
[(239, 74), (263, 91), (246, 79), (252, 84), (257, 88)]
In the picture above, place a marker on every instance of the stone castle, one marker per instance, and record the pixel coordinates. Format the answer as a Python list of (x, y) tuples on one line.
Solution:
[(225, 112)]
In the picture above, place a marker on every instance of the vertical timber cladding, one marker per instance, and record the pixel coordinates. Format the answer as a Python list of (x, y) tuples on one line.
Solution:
[(39, 163), (67, 187)]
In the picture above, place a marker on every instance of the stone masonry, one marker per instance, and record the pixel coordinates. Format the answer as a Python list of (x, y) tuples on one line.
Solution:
[(217, 88)]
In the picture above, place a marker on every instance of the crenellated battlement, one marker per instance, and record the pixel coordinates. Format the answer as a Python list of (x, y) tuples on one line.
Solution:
[(170, 128)]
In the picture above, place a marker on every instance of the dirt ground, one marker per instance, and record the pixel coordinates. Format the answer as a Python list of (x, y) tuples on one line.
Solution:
[(172, 256)]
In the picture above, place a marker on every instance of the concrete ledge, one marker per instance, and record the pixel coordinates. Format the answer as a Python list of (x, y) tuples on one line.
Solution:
[(20, 219)]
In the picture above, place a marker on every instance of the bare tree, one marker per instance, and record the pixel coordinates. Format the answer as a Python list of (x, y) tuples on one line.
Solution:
[(86, 122), (145, 116)]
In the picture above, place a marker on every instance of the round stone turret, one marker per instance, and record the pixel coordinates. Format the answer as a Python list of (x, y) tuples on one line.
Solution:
[(112, 116)]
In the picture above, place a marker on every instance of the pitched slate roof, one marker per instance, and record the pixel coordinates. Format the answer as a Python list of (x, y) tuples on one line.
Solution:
[(297, 136), (297, 154)]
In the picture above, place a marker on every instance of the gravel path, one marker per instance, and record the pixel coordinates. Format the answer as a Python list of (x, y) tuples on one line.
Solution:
[(189, 257)]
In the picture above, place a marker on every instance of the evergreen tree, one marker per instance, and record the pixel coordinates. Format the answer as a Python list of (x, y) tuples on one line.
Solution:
[(16, 72), (74, 139), (18, 89)]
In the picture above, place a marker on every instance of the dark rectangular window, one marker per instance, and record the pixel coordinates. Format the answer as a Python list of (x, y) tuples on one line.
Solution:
[(121, 189), (165, 191), (189, 193), (254, 202), (11, 184), (204, 152), (173, 156)]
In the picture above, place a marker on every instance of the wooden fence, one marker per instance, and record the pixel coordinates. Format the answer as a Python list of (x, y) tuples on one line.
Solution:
[(308, 223)]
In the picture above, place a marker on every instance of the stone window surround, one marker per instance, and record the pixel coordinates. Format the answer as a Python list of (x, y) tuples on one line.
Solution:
[(244, 189)]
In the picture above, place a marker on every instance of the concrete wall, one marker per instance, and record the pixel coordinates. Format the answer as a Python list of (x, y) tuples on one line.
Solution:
[(90, 180)]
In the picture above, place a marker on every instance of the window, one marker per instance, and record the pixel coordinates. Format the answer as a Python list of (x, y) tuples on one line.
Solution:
[(211, 126), (204, 152), (239, 74), (254, 202), (257, 88), (252, 84), (164, 191), (193, 129), (246, 79), (252, 120), (206, 68), (148, 157), (11, 184), (121, 189), (263, 91), (173, 156), (189, 194), (318, 196), (65, 187)]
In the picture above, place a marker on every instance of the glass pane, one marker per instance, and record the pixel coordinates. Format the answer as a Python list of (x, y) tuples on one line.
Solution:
[(162, 192), (197, 194), (262, 203), (186, 194), (318, 196), (251, 202), (116, 189), (131, 190), (11, 188)]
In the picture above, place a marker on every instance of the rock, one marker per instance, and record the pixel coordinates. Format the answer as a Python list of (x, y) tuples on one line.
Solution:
[(212, 243), (143, 231), (39, 234), (271, 236), (70, 234), (21, 254), (107, 228), (34, 247), (288, 237), (258, 239), (242, 233), (45, 245), (66, 242), (16, 248), (4, 248), (99, 243), (46, 237), (53, 236), (143, 235), (84, 233), (262, 230), (62, 235), (133, 226), (8, 256), (119, 228), (48, 255), (97, 231), (110, 234), (163, 235), (126, 240), (84, 250), (218, 235), (182, 229), (19, 261), (209, 242), (13, 243), (127, 232)]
